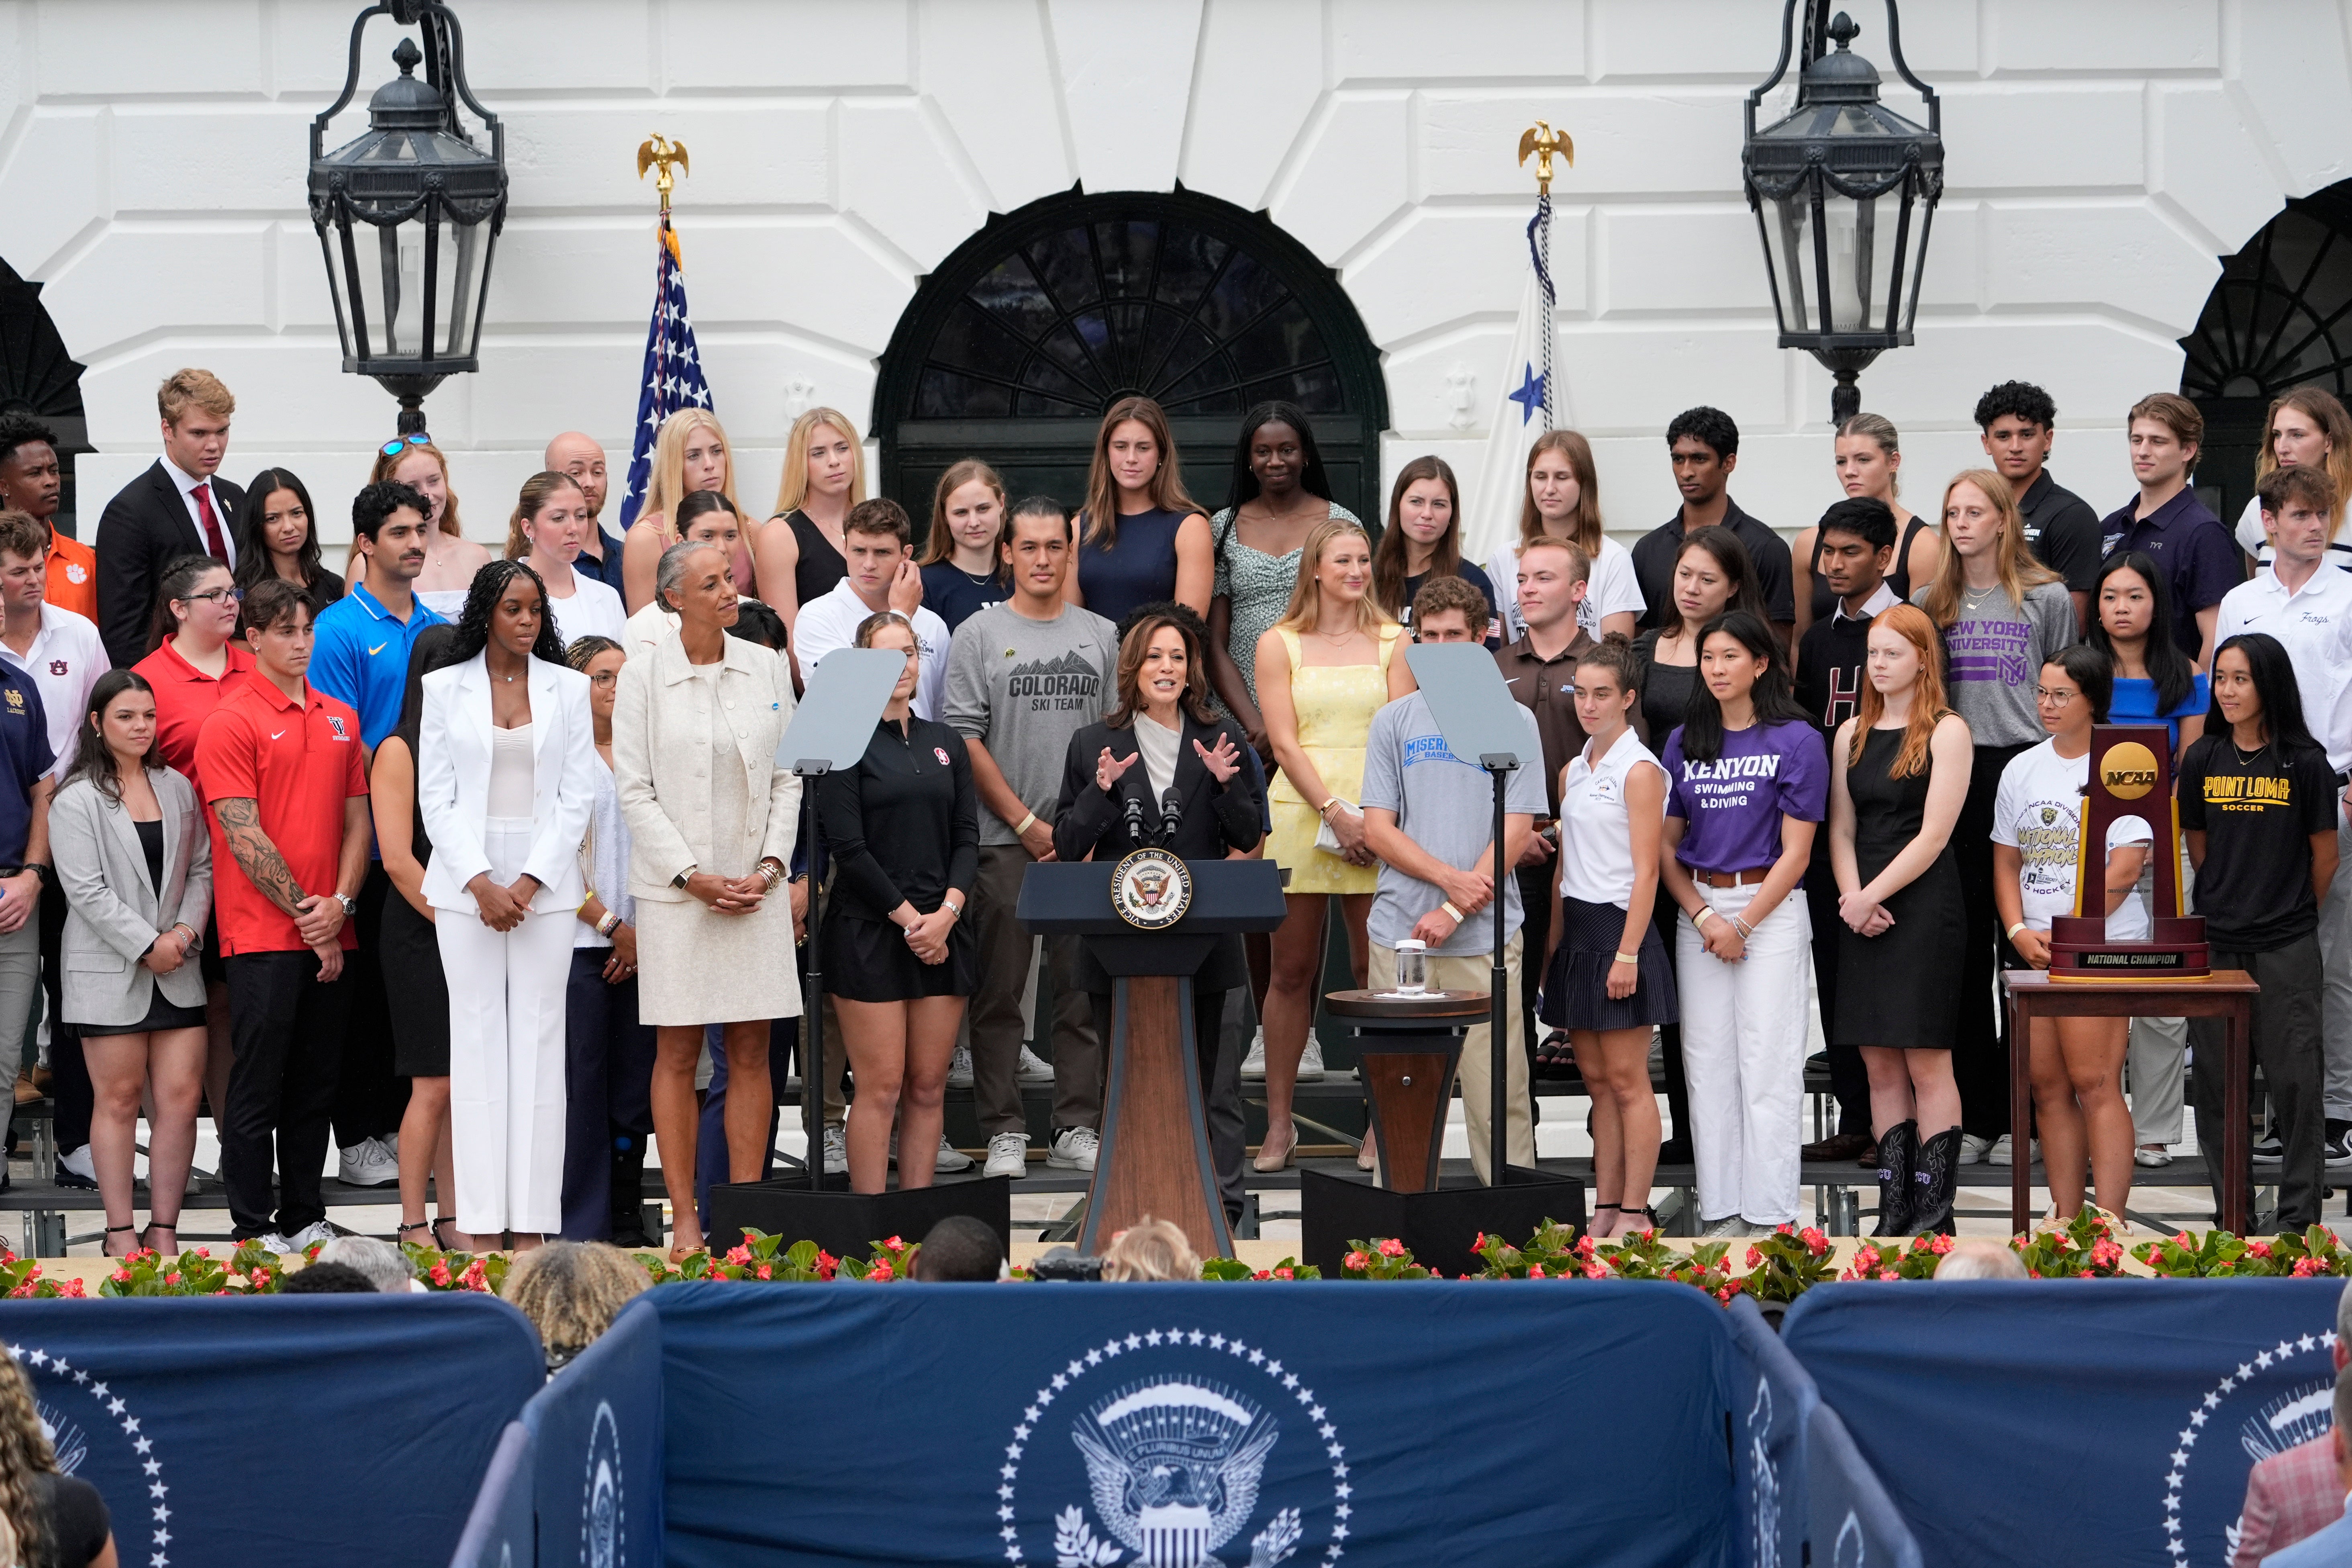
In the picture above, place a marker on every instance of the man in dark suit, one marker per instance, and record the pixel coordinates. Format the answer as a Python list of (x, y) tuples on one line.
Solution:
[(178, 506)]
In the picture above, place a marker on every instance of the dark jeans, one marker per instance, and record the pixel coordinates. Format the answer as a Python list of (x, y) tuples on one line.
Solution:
[(608, 1073), (370, 1097), (286, 1039), (1849, 1080), (68, 1074), (1219, 1064), (1981, 1045), (2286, 1048), (710, 1132)]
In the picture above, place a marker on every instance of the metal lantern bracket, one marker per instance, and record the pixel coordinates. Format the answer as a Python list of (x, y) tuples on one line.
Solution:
[(444, 58)]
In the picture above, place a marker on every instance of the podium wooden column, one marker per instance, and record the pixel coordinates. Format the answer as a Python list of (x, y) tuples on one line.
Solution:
[(1154, 1159)]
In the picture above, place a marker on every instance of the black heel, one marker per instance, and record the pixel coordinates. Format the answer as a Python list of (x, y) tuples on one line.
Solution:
[(155, 1224), (115, 1230), (445, 1246), (422, 1224)]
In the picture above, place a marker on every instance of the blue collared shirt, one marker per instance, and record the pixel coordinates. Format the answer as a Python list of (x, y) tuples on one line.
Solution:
[(608, 570), (361, 659), (2197, 555), (24, 756)]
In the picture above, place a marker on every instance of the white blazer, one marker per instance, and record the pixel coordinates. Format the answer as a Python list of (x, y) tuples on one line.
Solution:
[(453, 781)]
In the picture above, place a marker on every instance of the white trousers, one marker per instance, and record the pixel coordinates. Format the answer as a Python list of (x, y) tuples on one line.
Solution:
[(1744, 1057), (505, 1055)]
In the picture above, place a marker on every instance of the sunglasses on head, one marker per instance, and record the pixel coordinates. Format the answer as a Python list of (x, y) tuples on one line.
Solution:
[(398, 444)]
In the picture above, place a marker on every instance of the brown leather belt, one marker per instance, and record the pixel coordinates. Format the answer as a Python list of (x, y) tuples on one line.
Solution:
[(1732, 878)]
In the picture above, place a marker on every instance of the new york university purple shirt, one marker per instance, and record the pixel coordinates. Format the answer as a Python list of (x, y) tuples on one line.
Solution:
[(1733, 803)]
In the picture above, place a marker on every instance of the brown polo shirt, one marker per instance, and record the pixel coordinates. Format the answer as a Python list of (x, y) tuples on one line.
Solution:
[(1546, 688)]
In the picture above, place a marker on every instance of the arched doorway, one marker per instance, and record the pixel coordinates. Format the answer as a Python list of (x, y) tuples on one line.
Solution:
[(2280, 317), (39, 377), (1015, 344)]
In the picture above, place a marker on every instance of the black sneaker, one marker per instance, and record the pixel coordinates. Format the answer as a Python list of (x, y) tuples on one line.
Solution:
[(2335, 1156), (2269, 1152)]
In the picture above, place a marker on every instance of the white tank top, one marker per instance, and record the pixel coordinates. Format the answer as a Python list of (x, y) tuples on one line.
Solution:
[(511, 773), (1596, 840)]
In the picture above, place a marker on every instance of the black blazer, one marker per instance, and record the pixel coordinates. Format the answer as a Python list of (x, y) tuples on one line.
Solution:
[(144, 529), (1215, 818)]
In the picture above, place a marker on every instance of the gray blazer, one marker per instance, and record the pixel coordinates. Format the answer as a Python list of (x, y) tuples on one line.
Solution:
[(113, 913)]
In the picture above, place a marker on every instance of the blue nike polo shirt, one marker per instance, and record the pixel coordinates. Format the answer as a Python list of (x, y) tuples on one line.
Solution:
[(360, 657)]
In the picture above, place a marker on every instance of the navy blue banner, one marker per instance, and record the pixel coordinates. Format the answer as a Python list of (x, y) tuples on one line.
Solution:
[(498, 1532), (296, 1430), (2109, 1421), (1174, 1426), (1768, 1422), (1852, 1522), (597, 1426)]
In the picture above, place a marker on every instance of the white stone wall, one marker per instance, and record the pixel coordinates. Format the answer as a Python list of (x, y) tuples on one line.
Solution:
[(2102, 155)]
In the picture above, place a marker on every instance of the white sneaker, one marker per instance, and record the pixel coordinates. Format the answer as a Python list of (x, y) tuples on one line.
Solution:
[(276, 1242), (1034, 1070), (1008, 1155), (78, 1163), (960, 1069), (369, 1163), (1254, 1064), (836, 1150), (1073, 1149), (2002, 1153), (1729, 1226), (311, 1236), (1311, 1066), (949, 1160), (1973, 1148)]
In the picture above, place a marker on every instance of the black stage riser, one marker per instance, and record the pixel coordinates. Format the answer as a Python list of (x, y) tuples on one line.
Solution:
[(848, 1224), (1437, 1228)]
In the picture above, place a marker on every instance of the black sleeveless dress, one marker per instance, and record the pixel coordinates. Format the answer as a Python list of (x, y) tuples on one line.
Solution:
[(821, 567), (416, 994), (1915, 1004)]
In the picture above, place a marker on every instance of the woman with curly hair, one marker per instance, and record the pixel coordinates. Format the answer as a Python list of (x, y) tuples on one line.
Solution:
[(46, 1519), (505, 779)]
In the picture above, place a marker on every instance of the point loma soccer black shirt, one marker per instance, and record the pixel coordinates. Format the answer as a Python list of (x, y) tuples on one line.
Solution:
[(2258, 814)]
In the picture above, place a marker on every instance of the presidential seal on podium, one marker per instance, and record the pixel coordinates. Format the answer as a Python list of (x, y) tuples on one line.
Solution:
[(2131, 776), (1151, 890)]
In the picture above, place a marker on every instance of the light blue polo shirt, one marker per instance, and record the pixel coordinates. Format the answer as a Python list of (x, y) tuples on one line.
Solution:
[(360, 657)]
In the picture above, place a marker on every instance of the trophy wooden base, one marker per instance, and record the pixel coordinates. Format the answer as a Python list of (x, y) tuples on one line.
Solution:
[(2080, 954)]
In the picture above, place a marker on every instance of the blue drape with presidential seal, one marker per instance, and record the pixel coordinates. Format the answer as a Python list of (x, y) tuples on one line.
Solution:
[(1070, 1425), (2107, 1421), (282, 1430)]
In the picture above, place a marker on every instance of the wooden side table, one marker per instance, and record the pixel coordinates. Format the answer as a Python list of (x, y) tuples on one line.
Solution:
[(2227, 993), (1408, 1049)]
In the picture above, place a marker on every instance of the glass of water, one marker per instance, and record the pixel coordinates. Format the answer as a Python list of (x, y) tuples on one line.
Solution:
[(1412, 968)]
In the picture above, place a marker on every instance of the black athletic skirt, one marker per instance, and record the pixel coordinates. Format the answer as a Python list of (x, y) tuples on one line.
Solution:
[(1576, 987), (414, 990), (869, 960)]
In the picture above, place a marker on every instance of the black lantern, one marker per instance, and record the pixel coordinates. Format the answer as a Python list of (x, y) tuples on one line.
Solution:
[(409, 214), (1844, 191)]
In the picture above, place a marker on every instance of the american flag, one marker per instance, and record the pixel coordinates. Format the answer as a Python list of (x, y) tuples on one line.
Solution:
[(672, 377)]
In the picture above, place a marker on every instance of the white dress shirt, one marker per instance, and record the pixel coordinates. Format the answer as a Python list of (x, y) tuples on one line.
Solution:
[(833, 621), (65, 661), (2315, 625), (188, 483)]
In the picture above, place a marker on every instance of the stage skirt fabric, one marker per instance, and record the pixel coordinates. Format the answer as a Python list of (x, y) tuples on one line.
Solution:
[(1576, 985), (869, 960)]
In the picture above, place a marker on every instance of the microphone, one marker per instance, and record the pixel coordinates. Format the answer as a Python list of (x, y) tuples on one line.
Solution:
[(1172, 809), (1135, 833)]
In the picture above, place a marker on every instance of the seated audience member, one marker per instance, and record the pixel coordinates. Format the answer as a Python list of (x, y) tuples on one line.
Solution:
[(40, 1506), (2331, 1546), (1429, 815), (1981, 1261), (32, 482), (327, 1279), (383, 1264), (959, 1247), (2294, 1495), (2257, 808), (1150, 1249), (882, 577), (572, 1291)]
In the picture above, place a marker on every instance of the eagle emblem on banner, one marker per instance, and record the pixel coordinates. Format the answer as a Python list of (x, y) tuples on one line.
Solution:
[(1173, 1466)]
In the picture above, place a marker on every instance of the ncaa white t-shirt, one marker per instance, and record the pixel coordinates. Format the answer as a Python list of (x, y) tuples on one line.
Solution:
[(2038, 811)]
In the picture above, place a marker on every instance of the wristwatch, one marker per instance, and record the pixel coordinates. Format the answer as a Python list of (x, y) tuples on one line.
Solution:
[(680, 879), (350, 905)]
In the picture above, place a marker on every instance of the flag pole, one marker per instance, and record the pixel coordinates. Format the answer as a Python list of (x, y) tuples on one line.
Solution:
[(1544, 143)]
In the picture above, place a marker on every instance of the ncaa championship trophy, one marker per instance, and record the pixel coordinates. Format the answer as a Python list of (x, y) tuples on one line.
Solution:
[(2131, 776)]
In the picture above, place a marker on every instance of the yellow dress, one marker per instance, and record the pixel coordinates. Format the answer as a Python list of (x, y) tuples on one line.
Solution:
[(1334, 705)]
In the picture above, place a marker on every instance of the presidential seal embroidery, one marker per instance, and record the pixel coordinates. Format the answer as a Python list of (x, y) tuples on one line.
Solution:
[(1152, 888)]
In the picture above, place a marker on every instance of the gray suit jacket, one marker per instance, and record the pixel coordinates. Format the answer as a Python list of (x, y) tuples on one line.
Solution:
[(114, 913)]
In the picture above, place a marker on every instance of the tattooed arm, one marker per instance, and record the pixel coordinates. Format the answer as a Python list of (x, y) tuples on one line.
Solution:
[(257, 857)]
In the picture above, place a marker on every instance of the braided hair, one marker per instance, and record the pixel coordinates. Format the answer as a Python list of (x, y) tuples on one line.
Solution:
[(25, 1453), (474, 621)]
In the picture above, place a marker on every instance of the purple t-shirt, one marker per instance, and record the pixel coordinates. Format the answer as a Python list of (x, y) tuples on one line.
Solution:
[(1733, 803)]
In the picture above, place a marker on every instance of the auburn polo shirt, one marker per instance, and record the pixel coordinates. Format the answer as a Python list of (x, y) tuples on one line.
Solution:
[(302, 761)]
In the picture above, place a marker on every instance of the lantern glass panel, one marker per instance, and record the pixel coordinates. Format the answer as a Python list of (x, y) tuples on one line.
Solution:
[(393, 305), (1862, 261), (460, 283), (1790, 219)]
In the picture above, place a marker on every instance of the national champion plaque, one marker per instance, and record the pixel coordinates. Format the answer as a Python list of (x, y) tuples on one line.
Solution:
[(2131, 776)]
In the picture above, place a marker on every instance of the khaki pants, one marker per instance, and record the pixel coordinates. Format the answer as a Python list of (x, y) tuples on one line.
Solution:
[(1005, 946), (1474, 972)]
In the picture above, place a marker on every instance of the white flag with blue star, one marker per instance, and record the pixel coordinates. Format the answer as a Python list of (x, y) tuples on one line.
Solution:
[(672, 377), (1526, 405)]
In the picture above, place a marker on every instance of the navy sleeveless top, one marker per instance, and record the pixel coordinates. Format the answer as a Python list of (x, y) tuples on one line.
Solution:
[(1138, 568)]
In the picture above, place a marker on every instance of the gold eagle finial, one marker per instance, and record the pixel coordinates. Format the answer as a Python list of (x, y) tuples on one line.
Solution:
[(660, 153), (1543, 141)]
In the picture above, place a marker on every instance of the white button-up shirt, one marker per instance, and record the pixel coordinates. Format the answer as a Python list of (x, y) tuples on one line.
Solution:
[(188, 483), (2314, 626), (833, 621), (65, 661)]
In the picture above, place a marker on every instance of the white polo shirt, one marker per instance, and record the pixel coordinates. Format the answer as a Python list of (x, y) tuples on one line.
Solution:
[(832, 622), (65, 661), (2315, 625)]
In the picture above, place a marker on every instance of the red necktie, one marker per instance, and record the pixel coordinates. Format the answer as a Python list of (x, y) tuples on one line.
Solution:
[(213, 545)]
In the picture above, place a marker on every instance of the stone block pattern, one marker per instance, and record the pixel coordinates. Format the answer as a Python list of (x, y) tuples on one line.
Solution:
[(2103, 155)]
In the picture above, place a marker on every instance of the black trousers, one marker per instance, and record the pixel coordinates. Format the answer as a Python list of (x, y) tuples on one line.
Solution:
[(1536, 883), (370, 1097), (1670, 1036), (68, 1074), (286, 1043), (1219, 1064), (1981, 1045), (608, 1075), (2286, 1048), (1849, 1079)]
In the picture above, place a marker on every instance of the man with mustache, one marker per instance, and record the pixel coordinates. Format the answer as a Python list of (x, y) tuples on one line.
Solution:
[(361, 659)]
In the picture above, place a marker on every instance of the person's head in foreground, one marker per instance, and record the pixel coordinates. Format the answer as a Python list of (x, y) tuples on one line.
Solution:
[(572, 1291), (959, 1247), (327, 1279), (381, 1263), (1150, 1249), (1980, 1260)]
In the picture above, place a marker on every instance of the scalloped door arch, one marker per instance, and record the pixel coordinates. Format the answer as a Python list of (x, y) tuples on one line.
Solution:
[(1016, 342), (37, 376)]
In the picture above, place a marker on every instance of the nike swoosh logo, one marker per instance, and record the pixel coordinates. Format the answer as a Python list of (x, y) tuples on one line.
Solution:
[(378, 648), (275, 733)]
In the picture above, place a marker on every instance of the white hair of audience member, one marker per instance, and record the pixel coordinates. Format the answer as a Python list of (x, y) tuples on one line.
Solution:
[(385, 1266), (1980, 1260)]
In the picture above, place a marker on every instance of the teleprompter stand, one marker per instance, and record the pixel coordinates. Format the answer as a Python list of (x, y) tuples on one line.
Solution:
[(831, 729), (1403, 1040), (1154, 1159)]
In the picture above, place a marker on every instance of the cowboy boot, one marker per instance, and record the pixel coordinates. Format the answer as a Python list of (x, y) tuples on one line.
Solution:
[(1938, 1177), (1896, 1146)]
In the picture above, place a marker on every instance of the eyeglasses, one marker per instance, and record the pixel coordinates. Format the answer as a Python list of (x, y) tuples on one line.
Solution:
[(234, 595), (2055, 698), (399, 444)]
